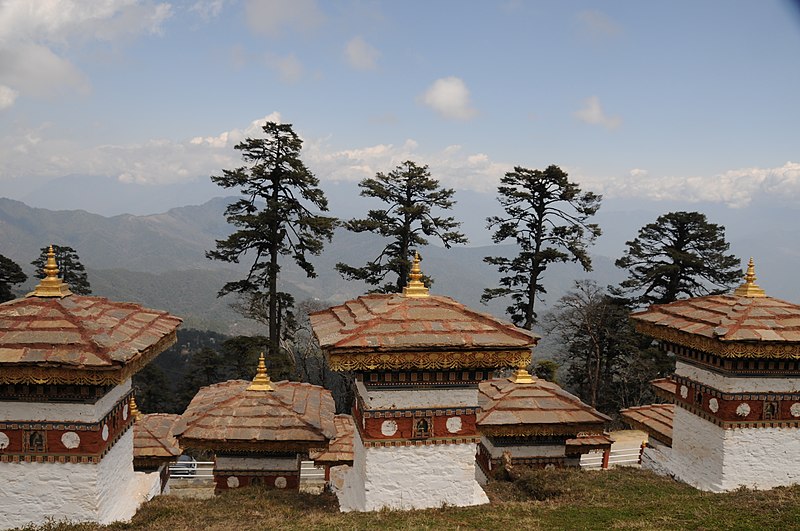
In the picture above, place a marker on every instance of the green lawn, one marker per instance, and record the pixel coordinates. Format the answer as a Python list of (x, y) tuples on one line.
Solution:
[(615, 499)]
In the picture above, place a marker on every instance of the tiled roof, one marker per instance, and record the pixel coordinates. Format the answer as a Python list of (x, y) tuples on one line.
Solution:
[(542, 403), (153, 437), (655, 419), (340, 449), (230, 413), (665, 388), (728, 318), (394, 322), (80, 332)]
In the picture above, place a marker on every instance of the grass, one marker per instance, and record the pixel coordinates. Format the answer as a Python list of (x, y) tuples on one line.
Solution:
[(560, 499)]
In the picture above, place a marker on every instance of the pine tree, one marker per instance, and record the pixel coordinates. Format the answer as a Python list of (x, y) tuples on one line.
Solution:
[(277, 216), (680, 255), (547, 217), (10, 274), (70, 268), (411, 195)]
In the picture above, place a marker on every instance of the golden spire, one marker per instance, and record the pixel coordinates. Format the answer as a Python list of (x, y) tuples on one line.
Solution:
[(750, 288), (51, 285), (261, 382), (522, 376), (415, 288), (134, 409)]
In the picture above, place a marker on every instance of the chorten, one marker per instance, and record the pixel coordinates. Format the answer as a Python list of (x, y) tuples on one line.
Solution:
[(418, 359), (66, 361), (257, 430), (736, 389), (154, 447)]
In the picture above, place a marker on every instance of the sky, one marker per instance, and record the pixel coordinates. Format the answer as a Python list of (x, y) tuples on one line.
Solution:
[(643, 102)]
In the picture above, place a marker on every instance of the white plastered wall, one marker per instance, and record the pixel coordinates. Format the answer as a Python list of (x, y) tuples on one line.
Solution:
[(526, 451), (78, 492), (715, 459), (728, 384), (63, 412), (413, 477), (417, 398)]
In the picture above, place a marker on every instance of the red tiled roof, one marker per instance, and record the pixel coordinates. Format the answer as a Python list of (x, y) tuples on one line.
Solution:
[(542, 403), (153, 437), (728, 318), (230, 413), (655, 419), (665, 388), (340, 448), (80, 332), (394, 322)]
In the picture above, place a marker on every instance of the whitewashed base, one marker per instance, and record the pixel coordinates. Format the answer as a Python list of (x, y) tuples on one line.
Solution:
[(714, 459), (415, 477), (32, 493)]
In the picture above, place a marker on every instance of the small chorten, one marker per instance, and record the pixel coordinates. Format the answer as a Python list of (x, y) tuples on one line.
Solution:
[(51, 285), (134, 409), (261, 382), (522, 376), (749, 288), (415, 287)]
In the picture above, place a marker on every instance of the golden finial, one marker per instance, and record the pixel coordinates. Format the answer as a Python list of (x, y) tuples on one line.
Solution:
[(415, 288), (522, 376), (261, 382), (51, 285), (134, 409), (750, 288)]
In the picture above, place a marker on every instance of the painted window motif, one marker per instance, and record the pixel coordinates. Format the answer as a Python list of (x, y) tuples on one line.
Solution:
[(771, 408), (34, 441), (422, 428)]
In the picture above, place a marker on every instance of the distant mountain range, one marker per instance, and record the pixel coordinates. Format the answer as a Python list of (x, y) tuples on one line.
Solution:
[(159, 260)]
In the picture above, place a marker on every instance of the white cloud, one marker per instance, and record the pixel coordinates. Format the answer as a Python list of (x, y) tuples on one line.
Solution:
[(592, 113), (272, 18), (7, 97), (597, 24), (361, 55), (449, 97), (735, 188), (208, 9), (33, 36), (289, 68), (638, 172)]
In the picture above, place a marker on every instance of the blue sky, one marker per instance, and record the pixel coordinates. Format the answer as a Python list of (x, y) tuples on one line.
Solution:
[(641, 101)]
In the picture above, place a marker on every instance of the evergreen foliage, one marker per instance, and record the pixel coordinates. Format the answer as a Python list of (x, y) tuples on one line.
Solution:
[(547, 217), (10, 275), (411, 195), (680, 255), (70, 268), (285, 224)]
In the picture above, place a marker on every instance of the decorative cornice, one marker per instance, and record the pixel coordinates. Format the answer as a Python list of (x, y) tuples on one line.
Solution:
[(427, 360), (432, 441), (533, 430), (248, 447), (733, 349)]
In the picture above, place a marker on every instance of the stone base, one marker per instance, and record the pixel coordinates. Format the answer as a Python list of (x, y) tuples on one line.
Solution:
[(31, 493), (408, 477), (714, 459)]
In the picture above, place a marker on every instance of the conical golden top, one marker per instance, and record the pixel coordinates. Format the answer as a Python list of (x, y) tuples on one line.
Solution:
[(134, 409), (261, 382), (51, 285), (750, 288), (522, 376), (415, 288)]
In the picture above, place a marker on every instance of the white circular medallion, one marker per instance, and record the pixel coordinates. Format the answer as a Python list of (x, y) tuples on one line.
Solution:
[(795, 409), (684, 391), (280, 482), (125, 412), (389, 428), (743, 410), (71, 440), (713, 405), (454, 424), (3, 440), (105, 432), (232, 482)]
